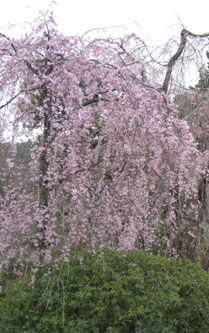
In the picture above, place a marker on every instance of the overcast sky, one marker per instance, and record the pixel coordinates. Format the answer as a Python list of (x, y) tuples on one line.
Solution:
[(154, 20)]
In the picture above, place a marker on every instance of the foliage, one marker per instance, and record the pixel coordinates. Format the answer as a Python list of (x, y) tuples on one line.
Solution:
[(125, 291)]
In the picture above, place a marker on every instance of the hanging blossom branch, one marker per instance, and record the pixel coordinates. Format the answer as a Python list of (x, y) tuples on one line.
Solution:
[(184, 37), (18, 94)]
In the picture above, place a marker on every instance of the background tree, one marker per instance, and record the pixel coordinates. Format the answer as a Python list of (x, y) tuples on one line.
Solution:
[(193, 106)]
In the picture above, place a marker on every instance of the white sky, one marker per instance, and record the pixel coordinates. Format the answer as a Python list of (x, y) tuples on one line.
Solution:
[(154, 20)]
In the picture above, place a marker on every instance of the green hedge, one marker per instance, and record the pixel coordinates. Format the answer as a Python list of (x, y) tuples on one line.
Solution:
[(115, 292)]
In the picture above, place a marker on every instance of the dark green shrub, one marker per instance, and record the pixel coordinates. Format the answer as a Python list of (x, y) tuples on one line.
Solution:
[(115, 292)]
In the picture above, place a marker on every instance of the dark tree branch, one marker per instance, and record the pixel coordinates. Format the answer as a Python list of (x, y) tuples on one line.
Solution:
[(173, 60), (184, 35), (35, 71), (9, 101), (93, 100), (198, 35), (4, 36), (19, 93)]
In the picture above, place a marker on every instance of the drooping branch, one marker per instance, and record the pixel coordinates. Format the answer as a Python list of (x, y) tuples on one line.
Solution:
[(184, 36)]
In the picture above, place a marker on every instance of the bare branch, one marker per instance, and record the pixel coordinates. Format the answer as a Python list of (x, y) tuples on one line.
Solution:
[(97, 29), (9, 101), (184, 35), (197, 35), (173, 60)]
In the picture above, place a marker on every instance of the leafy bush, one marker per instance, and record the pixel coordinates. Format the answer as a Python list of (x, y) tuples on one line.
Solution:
[(113, 292)]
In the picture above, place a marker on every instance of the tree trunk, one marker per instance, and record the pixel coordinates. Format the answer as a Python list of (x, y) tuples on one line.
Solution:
[(43, 182)]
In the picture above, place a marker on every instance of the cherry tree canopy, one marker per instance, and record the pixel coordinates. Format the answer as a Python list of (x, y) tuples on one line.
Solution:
[(112, 165)]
